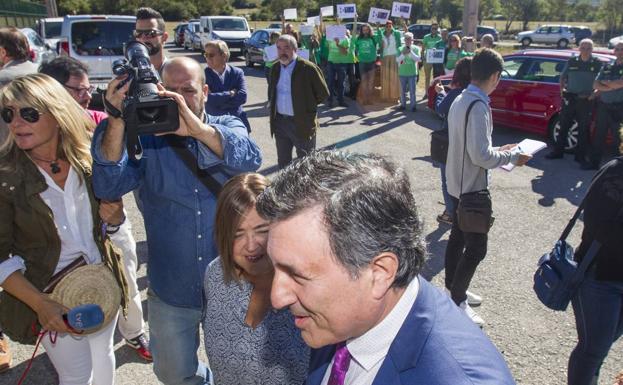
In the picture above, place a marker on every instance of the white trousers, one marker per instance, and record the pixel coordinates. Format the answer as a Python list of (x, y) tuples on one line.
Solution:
[(83, 360), (133, 326)]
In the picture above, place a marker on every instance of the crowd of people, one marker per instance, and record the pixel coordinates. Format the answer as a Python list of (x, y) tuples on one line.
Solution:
[(313, 277)]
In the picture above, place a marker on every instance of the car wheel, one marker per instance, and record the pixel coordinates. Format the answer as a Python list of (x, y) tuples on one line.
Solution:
[(526, 41), (563, 43), (247, 59), (572, 137)]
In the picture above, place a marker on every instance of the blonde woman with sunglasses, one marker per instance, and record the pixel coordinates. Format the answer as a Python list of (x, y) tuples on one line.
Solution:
[(50, 219)]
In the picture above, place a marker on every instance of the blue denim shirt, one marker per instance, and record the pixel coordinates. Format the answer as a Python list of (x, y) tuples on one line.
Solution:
[(284, 89), (177, 208)]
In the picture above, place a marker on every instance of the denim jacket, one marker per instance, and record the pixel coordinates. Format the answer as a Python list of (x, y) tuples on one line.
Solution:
[(177, 208)]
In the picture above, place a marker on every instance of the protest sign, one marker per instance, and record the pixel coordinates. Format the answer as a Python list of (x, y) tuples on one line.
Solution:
[(434, 56), (402, 10), (289, 14), (306, 29), (346, 11), (378, 15), (314, 20), (271, 52), (327, 11), (336, 31)]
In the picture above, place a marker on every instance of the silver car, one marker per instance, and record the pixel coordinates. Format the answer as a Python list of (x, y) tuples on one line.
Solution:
[(560, 35), (40, 51)]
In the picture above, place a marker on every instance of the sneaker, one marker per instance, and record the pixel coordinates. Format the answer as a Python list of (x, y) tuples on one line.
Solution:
[(473, 299), (141, 345), (444, 218), (5, 354), (472, 314)]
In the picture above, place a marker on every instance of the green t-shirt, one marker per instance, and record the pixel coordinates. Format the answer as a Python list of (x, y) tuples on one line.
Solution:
[(335, 53), (452, 56), (430, 41), (406, 65), (366, 49)]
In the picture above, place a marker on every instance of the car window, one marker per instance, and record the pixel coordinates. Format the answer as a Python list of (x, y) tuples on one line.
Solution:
[(196, 27), (229, 25), (544, 70), (35, 39), (512, 68), (542, 30), (53, 29), (263, 36), (100, 38), (554, 30)]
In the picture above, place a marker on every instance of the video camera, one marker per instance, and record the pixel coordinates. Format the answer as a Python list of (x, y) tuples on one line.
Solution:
[(144, 112)]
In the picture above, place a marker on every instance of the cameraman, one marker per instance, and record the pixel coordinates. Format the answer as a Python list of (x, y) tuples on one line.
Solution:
[(178, 207)]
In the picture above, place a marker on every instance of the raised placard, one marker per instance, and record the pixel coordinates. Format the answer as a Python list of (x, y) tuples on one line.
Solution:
[(378, 15), (346, 11), (289, 14), (402, 10)]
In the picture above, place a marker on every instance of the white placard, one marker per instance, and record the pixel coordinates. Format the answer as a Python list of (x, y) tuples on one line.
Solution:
[(314, 20), (346, 11), (402, 10), (306, 29), (434, 56), (304, 53), (378, 15), (326, 11), (336, 31), (527, 146), (289, 14), (271, 52)]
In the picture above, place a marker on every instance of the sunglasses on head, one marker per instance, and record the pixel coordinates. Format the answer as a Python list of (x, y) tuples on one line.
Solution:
[(149, 33), (29, 114)]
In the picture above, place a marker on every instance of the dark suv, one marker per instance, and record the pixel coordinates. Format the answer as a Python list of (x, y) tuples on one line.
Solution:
[(419, 30)]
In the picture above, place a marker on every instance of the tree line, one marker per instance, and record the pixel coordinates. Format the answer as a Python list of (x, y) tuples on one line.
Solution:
[(447, 12)]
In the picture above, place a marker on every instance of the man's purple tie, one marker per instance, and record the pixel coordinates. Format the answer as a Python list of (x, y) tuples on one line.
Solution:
[(341, 360)]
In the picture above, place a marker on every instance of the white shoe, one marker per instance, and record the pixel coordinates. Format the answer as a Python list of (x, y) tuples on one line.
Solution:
[(473, 299), (472, 314)]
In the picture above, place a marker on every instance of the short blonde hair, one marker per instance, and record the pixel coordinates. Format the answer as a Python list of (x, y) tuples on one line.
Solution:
[(220, 45), (45, 94)]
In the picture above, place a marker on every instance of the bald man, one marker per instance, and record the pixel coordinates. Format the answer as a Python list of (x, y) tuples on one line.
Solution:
[(178, 178)]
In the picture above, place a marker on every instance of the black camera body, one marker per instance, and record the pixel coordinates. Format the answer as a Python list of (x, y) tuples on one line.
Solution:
[(144, 112)]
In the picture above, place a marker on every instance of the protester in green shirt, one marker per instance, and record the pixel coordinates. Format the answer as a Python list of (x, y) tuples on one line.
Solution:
[(339, 58), (430, 41), (407, 71), (453, 53), (366, 49)]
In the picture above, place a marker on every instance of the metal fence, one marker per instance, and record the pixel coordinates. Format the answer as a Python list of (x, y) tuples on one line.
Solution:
[(18, 13)]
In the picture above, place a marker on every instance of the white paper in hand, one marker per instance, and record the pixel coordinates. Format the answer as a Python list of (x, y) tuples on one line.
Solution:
[(271, 52), (336, 31), (402, 10), (434, 56), (346, 11), (378, 15), (327, 11), (306, 29), (314, 20), (289, 14), (526, 146)]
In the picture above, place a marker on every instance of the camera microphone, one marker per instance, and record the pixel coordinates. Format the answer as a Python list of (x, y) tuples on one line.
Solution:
[(84, 317)]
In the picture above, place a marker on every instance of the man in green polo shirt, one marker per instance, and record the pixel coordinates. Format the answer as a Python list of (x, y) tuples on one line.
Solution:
[(609, 108), (576, 86), (430, 41), (407, 71)]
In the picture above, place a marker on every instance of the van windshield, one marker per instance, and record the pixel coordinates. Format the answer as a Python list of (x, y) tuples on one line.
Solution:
[(229, 25), (53, 29), (100, 38)]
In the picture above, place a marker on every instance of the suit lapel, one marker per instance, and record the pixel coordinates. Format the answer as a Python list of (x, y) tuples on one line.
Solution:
[(318, 363)]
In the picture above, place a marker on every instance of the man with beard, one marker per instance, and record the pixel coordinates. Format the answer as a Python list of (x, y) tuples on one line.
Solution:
[(150, 30), (175, 179), (297, 89)]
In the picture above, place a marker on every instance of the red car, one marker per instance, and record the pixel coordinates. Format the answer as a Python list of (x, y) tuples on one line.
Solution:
[(528, 95)]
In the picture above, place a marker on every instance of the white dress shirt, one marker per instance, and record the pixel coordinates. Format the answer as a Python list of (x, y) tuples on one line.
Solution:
[(389, 45), (71, 210), (369, 350)]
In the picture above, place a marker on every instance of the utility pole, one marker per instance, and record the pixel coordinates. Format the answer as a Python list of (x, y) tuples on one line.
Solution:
[(470, 20), (50, 6)]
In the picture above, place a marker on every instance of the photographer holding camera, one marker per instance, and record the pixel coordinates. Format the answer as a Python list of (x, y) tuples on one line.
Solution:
[(178, 178)]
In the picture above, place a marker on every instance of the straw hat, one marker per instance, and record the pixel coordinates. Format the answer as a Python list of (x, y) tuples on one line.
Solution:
[(90, 284)]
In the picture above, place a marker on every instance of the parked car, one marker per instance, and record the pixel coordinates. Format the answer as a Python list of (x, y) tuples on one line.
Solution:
[(178, 34), (49, 29), (561, 35), (253, 50), (419, 30), (349, 25), (97, 41), (614, 41), (481, 30), (581, 32), (192, 36), (232, 30), (40, 51), (274, 26), (528, 95)]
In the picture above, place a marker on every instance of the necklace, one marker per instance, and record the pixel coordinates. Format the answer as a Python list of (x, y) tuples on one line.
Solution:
[(54, 166)]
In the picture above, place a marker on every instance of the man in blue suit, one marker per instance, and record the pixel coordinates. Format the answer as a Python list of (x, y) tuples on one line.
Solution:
[(345, 240)]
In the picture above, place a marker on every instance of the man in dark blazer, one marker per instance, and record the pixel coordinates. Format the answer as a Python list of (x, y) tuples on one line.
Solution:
[(298, 88), (346, 242)]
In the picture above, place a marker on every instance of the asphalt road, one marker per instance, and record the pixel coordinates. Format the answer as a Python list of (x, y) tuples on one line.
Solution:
[(532, 205)]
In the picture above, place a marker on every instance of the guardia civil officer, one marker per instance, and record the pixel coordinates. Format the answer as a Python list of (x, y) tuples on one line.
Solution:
[(609, 108), (576, 85)]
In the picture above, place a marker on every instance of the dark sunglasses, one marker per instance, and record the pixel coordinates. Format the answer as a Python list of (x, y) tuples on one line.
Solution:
[(149, 33), (29, 114)]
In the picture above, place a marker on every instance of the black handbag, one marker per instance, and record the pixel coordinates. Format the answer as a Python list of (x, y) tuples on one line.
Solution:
[(475, 210), (439, 145)]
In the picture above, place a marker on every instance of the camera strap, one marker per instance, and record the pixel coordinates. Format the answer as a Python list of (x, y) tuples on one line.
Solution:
[(109, 108), (178, 144)]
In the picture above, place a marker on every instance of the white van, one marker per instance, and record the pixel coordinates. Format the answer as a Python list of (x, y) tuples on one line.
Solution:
[(231, 29), (97, 41), (49, 29)]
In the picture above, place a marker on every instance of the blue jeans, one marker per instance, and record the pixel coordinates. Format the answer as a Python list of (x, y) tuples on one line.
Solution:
[(339, 70), (174, 341), (598, 309), (404, 82), (444, 189)]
